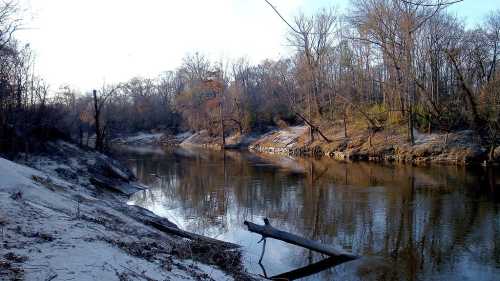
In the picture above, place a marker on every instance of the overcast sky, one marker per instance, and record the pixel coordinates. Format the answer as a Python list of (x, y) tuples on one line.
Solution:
[(86, 42)]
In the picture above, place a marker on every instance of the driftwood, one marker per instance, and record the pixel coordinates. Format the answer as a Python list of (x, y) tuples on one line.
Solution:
[(192, 236), (269, 231), (164, 225), (313, 127), (119, 186)]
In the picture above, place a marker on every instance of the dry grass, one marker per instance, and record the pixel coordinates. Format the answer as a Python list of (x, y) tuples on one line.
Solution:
[(228, 260)]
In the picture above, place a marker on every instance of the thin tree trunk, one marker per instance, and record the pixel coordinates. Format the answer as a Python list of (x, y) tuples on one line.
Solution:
[(345, 123), (222, 126), (97, 120)]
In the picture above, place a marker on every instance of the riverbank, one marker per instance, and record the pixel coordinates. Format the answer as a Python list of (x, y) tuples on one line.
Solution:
[(457, 148), (389, 145), (152, 139), (64, 215)]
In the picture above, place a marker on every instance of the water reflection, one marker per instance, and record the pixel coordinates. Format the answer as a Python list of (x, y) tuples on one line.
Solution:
[(409, 223)]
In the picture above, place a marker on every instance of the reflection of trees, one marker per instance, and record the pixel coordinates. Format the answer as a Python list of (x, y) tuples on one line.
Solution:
[(422, 220)]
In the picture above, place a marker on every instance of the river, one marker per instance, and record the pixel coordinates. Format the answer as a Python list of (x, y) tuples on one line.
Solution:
[(407, 223)]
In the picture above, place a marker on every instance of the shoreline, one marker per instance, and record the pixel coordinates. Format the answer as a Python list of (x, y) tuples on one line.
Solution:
[(74, 200), (461, 148)]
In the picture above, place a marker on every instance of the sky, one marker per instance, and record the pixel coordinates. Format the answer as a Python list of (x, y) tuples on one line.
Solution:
[(85, 43)]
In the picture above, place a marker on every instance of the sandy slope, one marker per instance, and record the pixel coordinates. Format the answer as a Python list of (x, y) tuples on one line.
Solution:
[(56, 226)]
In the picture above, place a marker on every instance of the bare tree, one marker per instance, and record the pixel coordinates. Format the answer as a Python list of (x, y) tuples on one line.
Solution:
[(100, 98), (312, 37)]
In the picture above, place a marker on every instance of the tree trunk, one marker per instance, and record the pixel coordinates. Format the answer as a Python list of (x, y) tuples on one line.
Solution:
[(468, 92), (408, 86), (345, 123), (222, 126), (97, 120), (80, 135)]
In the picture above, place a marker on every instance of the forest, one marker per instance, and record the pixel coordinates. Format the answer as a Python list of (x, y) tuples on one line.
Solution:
[(380, 64), (369, 148)]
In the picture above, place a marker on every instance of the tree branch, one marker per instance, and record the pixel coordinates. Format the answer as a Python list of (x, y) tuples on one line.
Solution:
[(439, 4), (278, 13)]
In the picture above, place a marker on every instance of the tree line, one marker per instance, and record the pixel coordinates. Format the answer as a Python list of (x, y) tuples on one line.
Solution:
[(381, 64)]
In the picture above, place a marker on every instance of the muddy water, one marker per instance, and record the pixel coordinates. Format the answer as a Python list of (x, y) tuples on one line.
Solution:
[(408, 223)]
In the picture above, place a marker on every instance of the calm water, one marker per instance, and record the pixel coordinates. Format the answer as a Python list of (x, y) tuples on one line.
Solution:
[(408, 223)]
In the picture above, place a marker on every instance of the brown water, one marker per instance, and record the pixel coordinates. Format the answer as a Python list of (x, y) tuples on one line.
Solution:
[(408, 223)]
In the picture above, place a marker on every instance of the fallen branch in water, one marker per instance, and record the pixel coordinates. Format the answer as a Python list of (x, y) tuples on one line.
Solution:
[(267, 230), (164, 225), (192, 236)]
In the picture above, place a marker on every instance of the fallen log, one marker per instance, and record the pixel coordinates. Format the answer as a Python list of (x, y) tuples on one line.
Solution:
[(164, 225), (313, 127), (267, 230), (126, 188), (193, 236)]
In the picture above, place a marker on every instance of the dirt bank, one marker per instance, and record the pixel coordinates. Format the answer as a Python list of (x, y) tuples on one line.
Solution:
[(152, 139), (63, 216), (204, 139), (458, 148), (455, 148)]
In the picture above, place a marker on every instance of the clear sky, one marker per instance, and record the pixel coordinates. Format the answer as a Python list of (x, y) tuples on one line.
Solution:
[(84, 43)]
